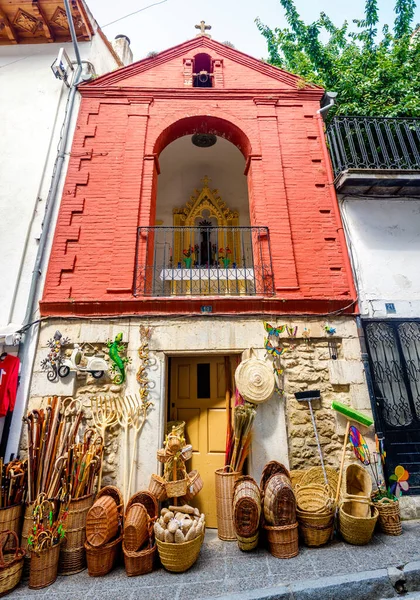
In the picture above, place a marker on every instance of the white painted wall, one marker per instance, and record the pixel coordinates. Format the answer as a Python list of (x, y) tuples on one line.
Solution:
[(32, 109), (384, 238)]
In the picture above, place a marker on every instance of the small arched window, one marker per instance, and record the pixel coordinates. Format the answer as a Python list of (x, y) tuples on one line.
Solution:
[(203, 71)]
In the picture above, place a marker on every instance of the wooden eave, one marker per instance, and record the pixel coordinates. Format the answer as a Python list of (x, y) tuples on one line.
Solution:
[(41, 21)]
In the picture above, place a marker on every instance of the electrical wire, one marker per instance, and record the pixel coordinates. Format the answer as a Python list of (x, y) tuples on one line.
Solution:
[(133, 13)]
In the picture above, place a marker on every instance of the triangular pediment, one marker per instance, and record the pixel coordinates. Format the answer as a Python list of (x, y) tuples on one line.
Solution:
[(156, 72)]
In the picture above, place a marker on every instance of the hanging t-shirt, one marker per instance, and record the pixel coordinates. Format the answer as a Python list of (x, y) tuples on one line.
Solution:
[(9, 372)]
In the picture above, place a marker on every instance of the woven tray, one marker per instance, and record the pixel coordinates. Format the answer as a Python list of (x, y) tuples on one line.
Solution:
[(102, 521), (272, 468)]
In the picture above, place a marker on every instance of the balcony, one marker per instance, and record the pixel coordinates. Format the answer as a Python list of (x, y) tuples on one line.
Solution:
[(375, 156), (203, 261)]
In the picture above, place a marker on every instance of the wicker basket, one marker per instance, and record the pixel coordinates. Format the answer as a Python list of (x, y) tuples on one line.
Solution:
[(178, 558), (225, 483), (272, 468), (357, 530), (389, 516), (313, 498), (72, 552), (283, 542), (248, 543), (246, 509), (102, 560), (175, 489), (279, 501), (357, 484), (102, 521), (296, 476), (179, 428), (157, 487), (187, 452), (148, 500), (162, 456), (28, 521), (316, 475), (135, 527), (11, 520), (11, 561), (195, 485), (174, 442), (316, 529), (44, 567), (141, 562)]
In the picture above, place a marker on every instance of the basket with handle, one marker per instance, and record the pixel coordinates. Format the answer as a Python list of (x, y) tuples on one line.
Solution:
[(175, 489), (313, 498), (178, 558), (102, 521), (296, 476), (147, 499), (44, 567), (316, 475), (114, 492), (157, 487), (225, 483), (135, 527), (195, 485), (246, 512), (357, 530), (315, 528), (11, 520), (279, 501), (357, 484), (283, 541), (140, 562), (102, 560), (389, 516), (11, 561), (72, 552)]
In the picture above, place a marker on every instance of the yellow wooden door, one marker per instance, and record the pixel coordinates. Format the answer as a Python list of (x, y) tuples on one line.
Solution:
[(198, 397)]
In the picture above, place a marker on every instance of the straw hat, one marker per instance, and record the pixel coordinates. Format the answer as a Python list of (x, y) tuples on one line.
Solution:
[(254, 380)]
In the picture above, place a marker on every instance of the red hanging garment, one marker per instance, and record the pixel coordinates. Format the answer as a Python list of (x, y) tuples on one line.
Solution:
[(9, 372)]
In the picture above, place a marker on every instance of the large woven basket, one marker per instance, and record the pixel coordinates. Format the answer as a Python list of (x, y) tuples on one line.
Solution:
[(357, 530), (316, 529), (135, 527), (357, 484), (296, 476), (279, 501), (283, 542), (316, 475), (72, 552), (225, 483), (195, 485), (157, 487), (11, 561), (272, 468), (176, 489), (11, 520), (141, 562), (313, 498), (147, 499), (178, 558), (246, 510), (389, 516), (102, 521), (44, 567), (102, 560)]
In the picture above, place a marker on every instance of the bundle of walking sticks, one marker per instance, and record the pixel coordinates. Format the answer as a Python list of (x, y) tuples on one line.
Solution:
[(58, 464), (13, 480)]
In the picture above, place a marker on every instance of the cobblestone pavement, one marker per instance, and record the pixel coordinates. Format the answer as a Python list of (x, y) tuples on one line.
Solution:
[(222, 568)]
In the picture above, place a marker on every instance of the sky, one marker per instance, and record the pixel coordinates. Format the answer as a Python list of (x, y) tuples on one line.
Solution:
[(172, 22)]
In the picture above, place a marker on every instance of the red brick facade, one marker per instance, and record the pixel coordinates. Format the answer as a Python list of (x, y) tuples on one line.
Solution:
[(125, 121)]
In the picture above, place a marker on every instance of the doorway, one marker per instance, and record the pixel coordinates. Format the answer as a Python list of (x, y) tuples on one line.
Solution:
[(197, 395)]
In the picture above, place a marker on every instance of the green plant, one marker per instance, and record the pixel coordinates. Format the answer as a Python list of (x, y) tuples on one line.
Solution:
[(373, 77)]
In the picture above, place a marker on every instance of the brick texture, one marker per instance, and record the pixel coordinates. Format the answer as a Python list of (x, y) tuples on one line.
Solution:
[(129, 116)]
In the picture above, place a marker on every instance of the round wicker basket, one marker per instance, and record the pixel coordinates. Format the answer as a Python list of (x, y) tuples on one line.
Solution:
[(44, 567), (135, 527), (102, 521), (157, 487), (254, 380), (246, 510), (272, 468), (357, 530), (279, 501), (314, 498), (389, 516), (141, 562), (178, 558), (283, 542), (148, 500), (316, 528)]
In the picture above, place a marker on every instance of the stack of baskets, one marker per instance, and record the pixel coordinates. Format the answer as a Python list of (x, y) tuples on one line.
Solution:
[(139, 545), (104, 531), (279, 510), (315, 504), (357, 515), (246, 512)]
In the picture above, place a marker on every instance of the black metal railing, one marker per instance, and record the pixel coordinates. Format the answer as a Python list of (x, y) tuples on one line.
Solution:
[(374, 143), (203, 260)]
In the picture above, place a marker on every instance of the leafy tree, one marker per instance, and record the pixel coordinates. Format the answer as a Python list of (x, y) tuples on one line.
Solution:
[(373, 75)]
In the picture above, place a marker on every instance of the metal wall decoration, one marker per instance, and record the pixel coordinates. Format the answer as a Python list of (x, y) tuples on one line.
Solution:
[(53, 363), (118, 362)]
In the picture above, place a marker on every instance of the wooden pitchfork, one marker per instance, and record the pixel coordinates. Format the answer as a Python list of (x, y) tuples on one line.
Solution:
[(105, 415), (138, 419), (124, 415)]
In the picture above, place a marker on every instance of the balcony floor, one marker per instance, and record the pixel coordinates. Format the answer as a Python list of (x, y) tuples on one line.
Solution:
[(378, 182)]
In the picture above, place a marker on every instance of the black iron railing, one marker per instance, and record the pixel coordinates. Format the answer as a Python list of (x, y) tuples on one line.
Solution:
[(374, 143), (203, 260)]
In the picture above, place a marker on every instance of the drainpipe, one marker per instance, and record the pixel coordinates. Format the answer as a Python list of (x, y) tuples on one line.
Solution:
[(24, 354)]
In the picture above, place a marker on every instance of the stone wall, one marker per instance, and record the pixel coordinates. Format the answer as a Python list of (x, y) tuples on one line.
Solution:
[(283, 429)]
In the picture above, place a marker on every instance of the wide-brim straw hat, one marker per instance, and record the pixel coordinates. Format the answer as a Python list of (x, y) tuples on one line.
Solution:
[(254, 379)]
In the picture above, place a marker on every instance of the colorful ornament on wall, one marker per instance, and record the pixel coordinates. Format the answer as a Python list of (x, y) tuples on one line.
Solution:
[(54, 360), (278, 377), (273, 350), (306, 334), (292, 331), (360, 447), (274, 331), (380, 448), (329, 330), (399, 481), (119, 362)]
